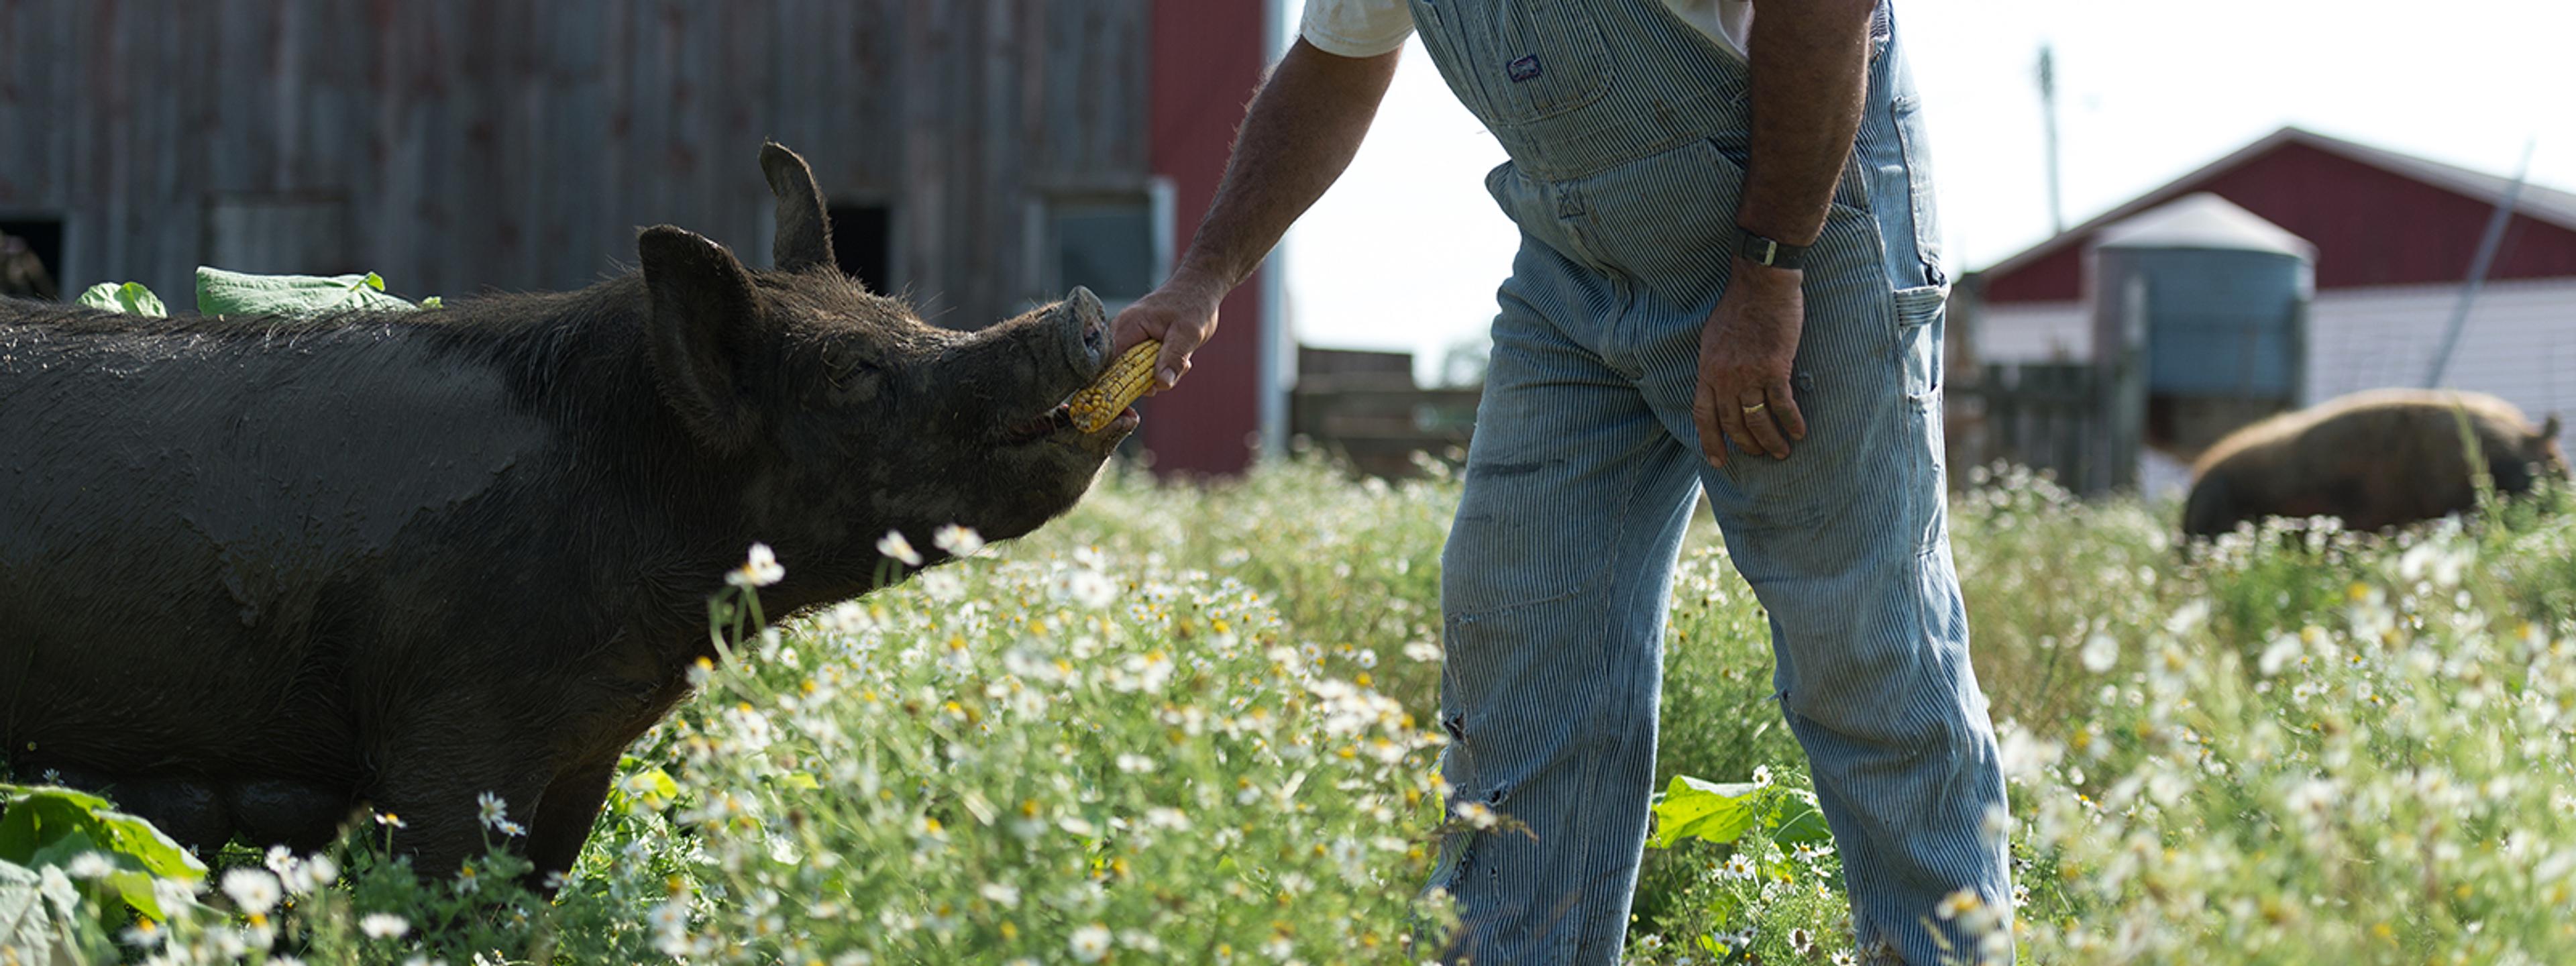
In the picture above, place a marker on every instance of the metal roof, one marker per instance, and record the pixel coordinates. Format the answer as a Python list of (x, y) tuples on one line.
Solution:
[(2205, 220), (2545, 204)]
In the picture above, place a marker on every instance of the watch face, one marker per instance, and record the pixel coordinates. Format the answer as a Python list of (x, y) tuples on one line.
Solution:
[(1760, 250)]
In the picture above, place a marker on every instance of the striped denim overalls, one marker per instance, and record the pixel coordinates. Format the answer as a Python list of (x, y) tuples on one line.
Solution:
[(1628, 132)]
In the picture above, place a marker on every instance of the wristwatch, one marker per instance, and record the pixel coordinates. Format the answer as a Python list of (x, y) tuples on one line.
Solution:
[(1763, 251)]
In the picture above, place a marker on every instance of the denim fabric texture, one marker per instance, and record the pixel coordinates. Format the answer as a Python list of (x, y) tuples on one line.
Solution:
[(1628, 134)]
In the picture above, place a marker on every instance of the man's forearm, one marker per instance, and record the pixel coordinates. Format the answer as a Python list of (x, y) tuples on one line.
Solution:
[(1810, 74), (1304, 126)]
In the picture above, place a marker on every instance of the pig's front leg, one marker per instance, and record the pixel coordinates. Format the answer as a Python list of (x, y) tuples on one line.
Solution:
[(434, 791), (564, 818), (301, 815)]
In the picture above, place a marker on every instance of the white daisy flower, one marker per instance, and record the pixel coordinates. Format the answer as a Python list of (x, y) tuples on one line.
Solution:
[(1738, 866), (89, 865), (961, 541), (895, 546), (1090, 943), (493, 811), (252, 890), (760, 569)]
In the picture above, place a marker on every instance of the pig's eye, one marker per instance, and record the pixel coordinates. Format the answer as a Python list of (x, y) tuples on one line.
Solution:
[(853, 379)]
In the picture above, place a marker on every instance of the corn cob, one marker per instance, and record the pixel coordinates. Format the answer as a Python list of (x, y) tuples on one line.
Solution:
[(1124, 382)]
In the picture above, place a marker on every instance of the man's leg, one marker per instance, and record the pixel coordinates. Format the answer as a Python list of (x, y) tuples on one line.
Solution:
[(1553, 590), (1846, 545)]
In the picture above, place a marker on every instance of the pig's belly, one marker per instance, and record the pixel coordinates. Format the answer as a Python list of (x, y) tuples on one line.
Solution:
[(177, 690)]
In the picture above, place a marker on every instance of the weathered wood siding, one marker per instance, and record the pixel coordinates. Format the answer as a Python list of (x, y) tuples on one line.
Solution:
[(518, 145)]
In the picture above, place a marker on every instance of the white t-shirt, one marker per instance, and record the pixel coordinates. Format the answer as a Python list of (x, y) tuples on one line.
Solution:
[(1367, 28)]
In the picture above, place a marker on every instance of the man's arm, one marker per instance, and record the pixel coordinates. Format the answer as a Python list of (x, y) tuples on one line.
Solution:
[(1810, 74), (1301, 131)]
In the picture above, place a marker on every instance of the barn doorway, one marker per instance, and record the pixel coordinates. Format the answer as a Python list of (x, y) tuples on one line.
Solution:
[(863, 244), (31, 257)]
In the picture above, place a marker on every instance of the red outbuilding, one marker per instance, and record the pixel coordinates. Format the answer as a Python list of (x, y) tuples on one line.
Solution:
[(2393, 238)]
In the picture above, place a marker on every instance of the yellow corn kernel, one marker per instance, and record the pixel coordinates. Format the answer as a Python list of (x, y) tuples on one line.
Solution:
[(1124, 382)]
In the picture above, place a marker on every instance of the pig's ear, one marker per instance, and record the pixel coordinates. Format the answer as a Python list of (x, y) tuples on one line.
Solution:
[(804, 228), (2549, 429), (702, 320)]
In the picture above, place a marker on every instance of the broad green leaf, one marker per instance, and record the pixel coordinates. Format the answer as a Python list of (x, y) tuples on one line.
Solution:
[(140, 301), (52, 826), (62, 851), (11, 793), (433, 302), (235, 293), (1692, 808), (101, 296), (136, 888), (39, 819), (130, 298), (1795, 819), (651, 788), (132, 837), (26, 927)]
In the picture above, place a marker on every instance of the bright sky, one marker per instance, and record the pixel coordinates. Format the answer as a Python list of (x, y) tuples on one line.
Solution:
[(1406, 250)]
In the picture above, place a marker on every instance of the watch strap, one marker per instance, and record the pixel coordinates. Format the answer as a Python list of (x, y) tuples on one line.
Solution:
[(1764, 251)]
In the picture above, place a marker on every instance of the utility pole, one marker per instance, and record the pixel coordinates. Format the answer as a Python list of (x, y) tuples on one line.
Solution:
[(2048, 118), (2478, 266)]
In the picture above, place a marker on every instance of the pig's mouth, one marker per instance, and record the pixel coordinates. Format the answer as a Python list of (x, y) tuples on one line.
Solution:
[(1040, 426), (1091, 347), (1059, 422)]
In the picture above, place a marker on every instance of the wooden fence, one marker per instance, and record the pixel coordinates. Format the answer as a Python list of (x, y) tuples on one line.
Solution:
[(2047, 416), (1378, 427)]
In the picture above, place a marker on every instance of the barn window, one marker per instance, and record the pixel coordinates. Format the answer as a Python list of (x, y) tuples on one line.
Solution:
[(1119, 244), (31, 257), (863, 243)]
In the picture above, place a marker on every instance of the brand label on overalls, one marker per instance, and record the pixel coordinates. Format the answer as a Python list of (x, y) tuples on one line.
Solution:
[(1523, 68)]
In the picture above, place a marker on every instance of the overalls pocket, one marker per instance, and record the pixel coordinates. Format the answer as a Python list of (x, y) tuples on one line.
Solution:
[(1546, 57), (1918, 337), (1919, 313), (1907, 111)]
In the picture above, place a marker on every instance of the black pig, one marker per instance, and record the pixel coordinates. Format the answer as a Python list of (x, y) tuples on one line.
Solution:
[(256, 571)]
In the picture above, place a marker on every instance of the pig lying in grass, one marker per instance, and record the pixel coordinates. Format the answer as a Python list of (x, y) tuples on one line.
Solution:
[(2374, 459)]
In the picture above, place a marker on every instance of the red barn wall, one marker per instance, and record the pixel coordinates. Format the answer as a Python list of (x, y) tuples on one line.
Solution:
[(2371, 226), (1208, 57)]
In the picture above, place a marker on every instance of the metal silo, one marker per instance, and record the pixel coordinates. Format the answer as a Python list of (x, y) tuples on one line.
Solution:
[(2200, 317)]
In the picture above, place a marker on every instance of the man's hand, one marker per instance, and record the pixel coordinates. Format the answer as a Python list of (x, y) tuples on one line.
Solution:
[(1298, 135), (1181, 313), (1746, 351), (1810, 72)]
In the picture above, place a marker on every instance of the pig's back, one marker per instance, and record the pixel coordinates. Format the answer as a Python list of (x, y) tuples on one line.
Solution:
[(191, 512)]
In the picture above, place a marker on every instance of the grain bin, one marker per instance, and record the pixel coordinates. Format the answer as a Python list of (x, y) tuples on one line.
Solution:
[(2200, 313)]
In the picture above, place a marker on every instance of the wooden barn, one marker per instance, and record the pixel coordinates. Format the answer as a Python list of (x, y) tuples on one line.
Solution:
[(2390, 240), (981, 155)]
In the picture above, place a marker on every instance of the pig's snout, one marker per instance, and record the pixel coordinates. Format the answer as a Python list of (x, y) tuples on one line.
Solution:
[(1085, 324)]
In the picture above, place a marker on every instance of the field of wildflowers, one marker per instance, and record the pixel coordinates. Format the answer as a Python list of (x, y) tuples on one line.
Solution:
[(1189, 726)]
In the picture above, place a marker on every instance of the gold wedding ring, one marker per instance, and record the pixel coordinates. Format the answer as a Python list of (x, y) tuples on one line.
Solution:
[(1755, 408)]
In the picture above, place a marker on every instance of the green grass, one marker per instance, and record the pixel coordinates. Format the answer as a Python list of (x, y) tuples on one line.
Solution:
[(1187, 726)]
